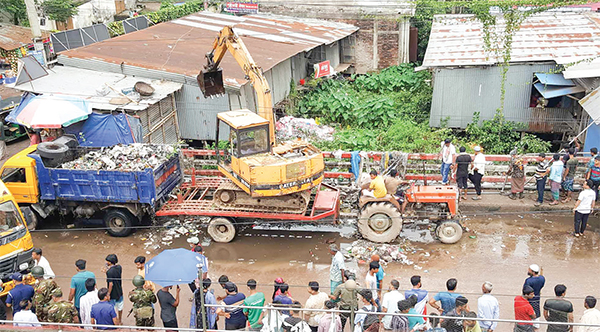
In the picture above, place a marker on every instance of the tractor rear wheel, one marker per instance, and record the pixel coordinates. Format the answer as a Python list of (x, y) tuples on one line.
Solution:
[(449, 232), (380, 222)]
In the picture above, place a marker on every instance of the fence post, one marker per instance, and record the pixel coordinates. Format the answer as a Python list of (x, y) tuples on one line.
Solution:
[(203, 308)]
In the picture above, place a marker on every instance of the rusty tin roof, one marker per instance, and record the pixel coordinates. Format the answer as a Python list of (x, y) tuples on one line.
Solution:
[(14, 36), (179, 46), (457, 40)]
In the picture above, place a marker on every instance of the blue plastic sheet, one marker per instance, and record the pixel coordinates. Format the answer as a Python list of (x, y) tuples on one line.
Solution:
[(107, 130), (355, 164), (592, 138)]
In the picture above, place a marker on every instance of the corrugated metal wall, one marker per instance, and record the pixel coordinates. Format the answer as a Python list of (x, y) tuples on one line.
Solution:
[(332, 53), (299, 67), (159, 122), (458, 93), (198, 115), (281, 76)]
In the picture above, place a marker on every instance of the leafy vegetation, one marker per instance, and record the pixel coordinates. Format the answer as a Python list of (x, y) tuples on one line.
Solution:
[(15, 9), (59, 10)]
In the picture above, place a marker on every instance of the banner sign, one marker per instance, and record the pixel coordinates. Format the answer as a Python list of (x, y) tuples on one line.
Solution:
[(322, 69), (241, 7)]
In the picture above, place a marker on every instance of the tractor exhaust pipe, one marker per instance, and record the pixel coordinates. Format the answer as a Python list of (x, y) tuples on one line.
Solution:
[(211, 82)]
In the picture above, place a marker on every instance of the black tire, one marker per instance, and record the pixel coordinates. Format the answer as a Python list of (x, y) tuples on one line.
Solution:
[(119, 223), (380, 222), (31, 218), (449, 232), (221, 230), (52, 150)]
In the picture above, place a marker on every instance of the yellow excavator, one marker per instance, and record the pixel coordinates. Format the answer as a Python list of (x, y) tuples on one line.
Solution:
[(262, 172)]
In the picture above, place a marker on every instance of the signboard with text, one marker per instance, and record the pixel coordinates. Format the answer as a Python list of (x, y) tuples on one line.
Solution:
[(241, 7), (322, 69)]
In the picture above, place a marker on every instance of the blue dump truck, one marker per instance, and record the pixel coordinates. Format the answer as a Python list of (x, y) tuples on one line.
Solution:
[(121, 199)]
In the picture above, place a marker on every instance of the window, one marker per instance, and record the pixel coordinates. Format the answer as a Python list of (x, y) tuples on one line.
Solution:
[(14, 175), (254, 140), (9, 217)]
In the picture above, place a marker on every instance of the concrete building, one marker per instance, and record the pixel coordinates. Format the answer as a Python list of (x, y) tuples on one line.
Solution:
[(467, 79), (283, 47), (92, 12)]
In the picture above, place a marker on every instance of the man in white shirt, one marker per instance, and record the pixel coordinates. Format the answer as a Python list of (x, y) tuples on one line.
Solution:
[(584, 207), (478, 171), (447, 153), (371, 280), (39, 260), (487, 307), (591, 316), (25, 316), (87, 301), (316, 300), (390, 303)]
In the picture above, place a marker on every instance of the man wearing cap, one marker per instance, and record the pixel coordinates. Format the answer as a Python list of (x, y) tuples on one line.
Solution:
[(478, 171), (336, 271), (234, 317), (447, 153), (524, 311), (18, 293), (61, 311), (536, 281), (42, 292), (460, 309)]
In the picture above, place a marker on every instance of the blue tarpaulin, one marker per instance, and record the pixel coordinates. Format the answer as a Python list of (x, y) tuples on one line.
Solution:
[(592, 138), (107, 130), (355, 164)]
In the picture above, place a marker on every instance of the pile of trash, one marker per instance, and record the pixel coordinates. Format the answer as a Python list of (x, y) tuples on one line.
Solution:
[(289, 128), (131, 157), (363, 250), (172, 230)]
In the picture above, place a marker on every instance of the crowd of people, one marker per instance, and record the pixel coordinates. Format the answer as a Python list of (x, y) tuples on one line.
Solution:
[(558, 171), (364, 302)]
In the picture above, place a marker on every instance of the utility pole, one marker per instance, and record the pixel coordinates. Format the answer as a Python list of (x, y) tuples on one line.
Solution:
[(36, 31)]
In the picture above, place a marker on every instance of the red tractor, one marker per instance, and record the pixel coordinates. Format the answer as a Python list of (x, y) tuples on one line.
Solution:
[(380, 221)]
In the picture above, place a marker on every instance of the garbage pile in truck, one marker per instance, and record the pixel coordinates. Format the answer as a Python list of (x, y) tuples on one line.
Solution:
[(131, 158)]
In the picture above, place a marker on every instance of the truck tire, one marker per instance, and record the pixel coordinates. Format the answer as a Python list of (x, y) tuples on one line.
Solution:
[(52, 150), (119, 223), (221, 230), (380, 222), (31, 217), (449, 232)]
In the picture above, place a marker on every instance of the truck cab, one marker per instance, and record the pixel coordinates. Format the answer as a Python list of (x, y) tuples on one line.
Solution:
[(16, 244), (19, 175)]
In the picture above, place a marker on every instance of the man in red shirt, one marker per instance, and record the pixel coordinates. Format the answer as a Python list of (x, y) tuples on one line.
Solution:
[(524, 310)]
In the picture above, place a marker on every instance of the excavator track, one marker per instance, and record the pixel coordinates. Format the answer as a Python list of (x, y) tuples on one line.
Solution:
[(229, 196)]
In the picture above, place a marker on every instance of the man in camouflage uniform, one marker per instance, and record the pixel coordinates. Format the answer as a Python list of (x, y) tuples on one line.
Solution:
[(43, 293), (142, 300), (61, 311)]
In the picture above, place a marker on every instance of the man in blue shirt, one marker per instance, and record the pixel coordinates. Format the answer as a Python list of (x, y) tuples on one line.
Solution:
[(78, 288), (379, 275), (18, 293), (103, 313), (234, 317), (536, 281), (446, 299), (284, 298)]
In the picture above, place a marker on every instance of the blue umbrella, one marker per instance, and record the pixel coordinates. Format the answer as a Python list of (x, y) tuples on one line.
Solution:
[(174, 267)]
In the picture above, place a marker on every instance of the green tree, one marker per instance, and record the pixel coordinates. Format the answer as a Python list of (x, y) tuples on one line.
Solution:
[(59, 10), (16, 9)]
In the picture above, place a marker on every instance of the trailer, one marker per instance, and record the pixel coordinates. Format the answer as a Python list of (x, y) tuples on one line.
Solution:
[(195, 198)]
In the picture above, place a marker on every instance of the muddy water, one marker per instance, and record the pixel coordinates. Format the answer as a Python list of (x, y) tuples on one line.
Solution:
[(496, 249)]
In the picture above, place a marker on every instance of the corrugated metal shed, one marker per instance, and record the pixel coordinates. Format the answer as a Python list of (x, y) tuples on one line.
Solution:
[(457, 40), (93, 86), (591, 104), (179, 46), (14, 36), (459, 93)]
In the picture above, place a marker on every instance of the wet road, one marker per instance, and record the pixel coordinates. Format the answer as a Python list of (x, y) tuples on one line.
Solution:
[(496, 249)]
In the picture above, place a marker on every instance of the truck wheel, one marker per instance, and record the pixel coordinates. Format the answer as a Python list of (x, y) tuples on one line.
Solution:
[(52, 150), (221, 230), (118, 222), (449, 232), (380, 222), (31, 218)]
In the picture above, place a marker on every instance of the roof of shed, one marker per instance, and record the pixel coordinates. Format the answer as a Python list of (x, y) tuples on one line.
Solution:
[(14, 36), (179, 46), (457, 40)]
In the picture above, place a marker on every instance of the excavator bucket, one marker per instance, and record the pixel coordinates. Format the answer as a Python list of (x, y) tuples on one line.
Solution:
[(211, 82)]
